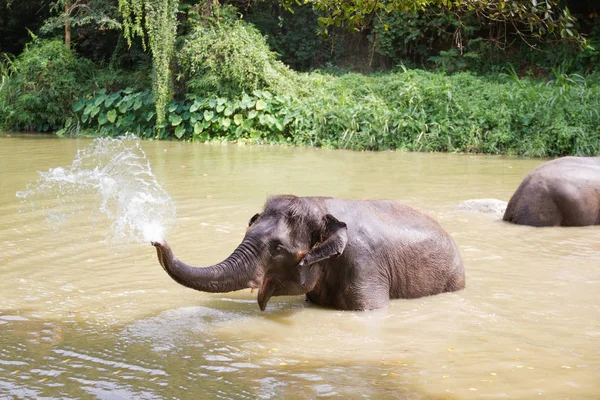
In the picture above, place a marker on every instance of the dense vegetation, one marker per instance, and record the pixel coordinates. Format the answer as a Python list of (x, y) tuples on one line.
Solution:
[(420, 80)]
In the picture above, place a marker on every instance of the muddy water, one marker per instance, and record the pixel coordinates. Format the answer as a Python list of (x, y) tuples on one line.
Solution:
[(82, 319)]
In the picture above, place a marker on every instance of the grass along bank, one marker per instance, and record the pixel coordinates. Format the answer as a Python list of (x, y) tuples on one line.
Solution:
[(410, 110)]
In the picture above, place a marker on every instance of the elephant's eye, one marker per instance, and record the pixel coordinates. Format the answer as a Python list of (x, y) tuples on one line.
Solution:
[(277, 247)]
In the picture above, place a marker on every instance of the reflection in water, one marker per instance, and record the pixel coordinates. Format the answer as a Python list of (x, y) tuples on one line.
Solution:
[(79, 321)]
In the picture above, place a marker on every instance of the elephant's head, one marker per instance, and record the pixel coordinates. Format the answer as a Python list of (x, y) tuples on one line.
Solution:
[(279, 254)]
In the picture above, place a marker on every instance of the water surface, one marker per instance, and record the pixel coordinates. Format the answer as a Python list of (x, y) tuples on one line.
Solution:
[(80, 318)]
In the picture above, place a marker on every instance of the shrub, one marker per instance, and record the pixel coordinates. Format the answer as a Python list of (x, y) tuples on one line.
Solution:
[(260, 117), (229, 59), (43, 83)]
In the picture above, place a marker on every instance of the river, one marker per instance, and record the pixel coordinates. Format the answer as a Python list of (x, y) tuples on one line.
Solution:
[(80, 318)]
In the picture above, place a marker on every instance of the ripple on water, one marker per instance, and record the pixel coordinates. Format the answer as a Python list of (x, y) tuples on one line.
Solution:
[(173, 327)]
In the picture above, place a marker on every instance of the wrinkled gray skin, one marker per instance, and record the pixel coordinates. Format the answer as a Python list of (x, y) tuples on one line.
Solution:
[(561, 192), (345, 254)]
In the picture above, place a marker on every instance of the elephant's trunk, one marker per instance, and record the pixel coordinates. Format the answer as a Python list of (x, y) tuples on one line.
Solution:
[(239, 271)]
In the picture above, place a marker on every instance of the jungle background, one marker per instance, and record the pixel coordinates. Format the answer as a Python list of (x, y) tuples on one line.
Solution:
[(499, 77)]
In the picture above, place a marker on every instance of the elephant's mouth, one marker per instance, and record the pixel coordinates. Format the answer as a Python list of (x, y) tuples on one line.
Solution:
[(278, 286)]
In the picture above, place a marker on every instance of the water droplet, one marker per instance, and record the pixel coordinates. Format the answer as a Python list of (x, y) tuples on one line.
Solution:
[(111, 183)]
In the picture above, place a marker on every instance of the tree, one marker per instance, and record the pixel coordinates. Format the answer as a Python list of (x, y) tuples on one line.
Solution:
[(156, 20), (540, 20), (72, 13)]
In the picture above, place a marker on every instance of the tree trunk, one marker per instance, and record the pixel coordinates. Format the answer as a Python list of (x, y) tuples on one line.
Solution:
[(67, 24)]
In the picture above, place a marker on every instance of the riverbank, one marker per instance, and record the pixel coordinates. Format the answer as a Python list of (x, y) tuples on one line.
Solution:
[(409, 110), (405, 109)]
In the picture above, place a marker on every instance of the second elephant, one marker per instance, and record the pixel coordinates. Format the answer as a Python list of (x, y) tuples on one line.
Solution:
[(561, 192)]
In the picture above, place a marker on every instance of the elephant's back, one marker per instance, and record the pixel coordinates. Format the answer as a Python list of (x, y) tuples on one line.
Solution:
[(558, 177), (550, 193), (566, 169), (386, 218), (397, 246), (385, 225), (424, 259)]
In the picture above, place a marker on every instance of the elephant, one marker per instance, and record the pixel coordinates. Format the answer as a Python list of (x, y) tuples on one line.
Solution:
[(342, 254), (561, 192)]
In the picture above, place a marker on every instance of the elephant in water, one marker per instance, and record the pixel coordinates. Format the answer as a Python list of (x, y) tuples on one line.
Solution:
[(345, 254), (561, 192)]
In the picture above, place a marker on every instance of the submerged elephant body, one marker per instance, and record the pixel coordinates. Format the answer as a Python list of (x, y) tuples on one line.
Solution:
[(561, 192), (345, 254)]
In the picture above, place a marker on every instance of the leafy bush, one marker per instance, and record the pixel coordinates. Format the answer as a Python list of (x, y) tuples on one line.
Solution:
[(41, 87), (259, 117), (229, 59)]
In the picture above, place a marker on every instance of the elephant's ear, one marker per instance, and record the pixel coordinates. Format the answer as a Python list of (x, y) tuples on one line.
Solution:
[(335, 238), (253, 219)]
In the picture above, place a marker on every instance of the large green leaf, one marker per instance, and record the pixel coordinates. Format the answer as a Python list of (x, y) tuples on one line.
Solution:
[(175, 119), (198, 128), (208, 115), (79, 105), (279, 124), (261, 104), (109, 101), (226, 122), (125, 106), (111, 115), (247, 102), (238, 119), (179, 131), (195, 106), (99, 99), (88, 109)]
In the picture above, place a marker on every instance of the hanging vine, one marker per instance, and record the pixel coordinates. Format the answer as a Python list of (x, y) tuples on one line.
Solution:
[(158, 20)]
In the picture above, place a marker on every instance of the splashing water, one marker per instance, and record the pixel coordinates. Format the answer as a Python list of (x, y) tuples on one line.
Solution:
[(111, 183)]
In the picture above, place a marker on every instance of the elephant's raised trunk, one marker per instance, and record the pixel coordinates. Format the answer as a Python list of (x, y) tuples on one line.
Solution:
[(239, 271)]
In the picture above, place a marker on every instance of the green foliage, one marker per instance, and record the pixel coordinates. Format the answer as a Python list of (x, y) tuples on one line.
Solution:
[(424, 111), (226, 59), (542, 20), (407, 110), (158, 19), (414, 37), (97, 13), (292, 35), (40, 86), (257, 117)]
